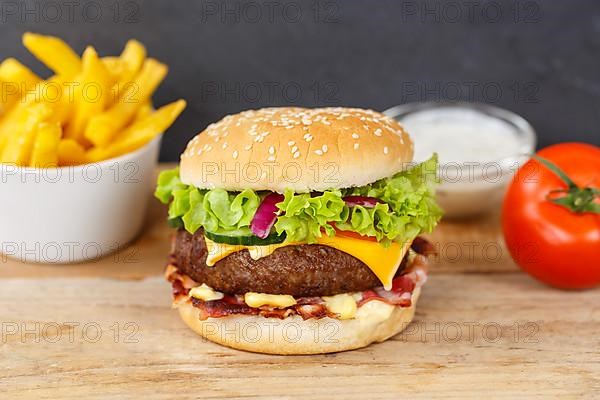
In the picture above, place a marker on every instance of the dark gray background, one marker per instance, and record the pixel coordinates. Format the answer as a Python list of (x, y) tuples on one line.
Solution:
[(538, 58)]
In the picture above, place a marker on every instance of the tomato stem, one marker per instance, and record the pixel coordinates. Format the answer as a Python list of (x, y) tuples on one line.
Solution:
[(576, 199)]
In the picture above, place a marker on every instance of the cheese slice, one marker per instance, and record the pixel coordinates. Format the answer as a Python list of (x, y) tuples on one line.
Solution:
[(383, 261)]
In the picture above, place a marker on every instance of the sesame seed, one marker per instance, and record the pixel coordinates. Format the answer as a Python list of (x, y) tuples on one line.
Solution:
[(325, 148), (356, 145), (385, 150), (377, 132), (271, 158), (224, 145), (235, 154), (271, 150), (291, 143), (355, 135), (297, 154), (294, 149), (308, 137), (248, 147), (319, 152)]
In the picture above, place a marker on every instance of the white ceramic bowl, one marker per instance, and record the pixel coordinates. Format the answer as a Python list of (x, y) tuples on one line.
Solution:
[(73, 214), (474, 187)]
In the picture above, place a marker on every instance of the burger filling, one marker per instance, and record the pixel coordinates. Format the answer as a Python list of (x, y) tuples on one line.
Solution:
[(215, 304), (308, 254)]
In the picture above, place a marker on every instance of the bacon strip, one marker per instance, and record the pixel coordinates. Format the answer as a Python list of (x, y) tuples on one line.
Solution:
[(423, 246), (220, 308)]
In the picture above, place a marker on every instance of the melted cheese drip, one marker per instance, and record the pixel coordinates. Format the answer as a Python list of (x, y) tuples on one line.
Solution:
[(344, 305), (275, 300), (384, 262), (206, 293), (218, 251)]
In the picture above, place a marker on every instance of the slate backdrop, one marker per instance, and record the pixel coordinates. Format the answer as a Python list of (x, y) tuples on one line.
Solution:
[(538, 58)]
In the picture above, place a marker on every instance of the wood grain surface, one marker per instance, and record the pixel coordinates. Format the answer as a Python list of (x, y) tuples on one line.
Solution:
[(105, 329)]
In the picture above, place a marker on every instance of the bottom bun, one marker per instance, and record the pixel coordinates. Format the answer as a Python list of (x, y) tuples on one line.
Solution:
[(375, 322)]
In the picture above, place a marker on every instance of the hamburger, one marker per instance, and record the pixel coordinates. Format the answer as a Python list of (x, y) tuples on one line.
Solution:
[(297, 230)]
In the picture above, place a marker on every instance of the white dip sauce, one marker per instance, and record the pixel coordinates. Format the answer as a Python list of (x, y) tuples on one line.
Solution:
[(461, 135)]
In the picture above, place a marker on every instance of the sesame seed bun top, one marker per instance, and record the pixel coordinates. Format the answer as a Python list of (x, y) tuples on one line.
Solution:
[(296, 148)]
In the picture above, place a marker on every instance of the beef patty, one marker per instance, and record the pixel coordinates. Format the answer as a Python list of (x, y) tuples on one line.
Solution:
[(298, 270)]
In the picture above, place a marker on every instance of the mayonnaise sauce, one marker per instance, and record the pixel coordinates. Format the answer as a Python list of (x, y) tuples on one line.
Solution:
[(461, 135), (479, 147)]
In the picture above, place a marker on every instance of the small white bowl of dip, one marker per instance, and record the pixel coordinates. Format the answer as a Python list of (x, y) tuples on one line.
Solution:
[(480, 147)]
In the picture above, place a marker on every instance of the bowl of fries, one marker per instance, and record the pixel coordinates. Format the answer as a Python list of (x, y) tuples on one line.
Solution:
[(78, 150)]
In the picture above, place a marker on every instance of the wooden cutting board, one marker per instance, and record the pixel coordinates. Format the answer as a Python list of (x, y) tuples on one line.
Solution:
[(482, 328)]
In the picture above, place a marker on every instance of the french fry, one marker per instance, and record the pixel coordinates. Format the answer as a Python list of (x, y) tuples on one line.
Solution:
[(37, 98), (19, 115), (19, 141), (124, 68), (12, 121), (104, 127), (2, 97), (145, 110), (45, 148), (71, 153), (56, 93), (2, 144), (115, 66), (53, 52), (16, 80), (141, 132), (133, 57), (64, 106), (94, 85)]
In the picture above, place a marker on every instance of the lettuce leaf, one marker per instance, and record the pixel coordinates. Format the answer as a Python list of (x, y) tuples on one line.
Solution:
[(409, 208), (168, 181), (304, 217), (216, 210), (410, 196)]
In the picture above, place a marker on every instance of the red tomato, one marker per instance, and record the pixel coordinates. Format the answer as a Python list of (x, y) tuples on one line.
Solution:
[(549, 241)]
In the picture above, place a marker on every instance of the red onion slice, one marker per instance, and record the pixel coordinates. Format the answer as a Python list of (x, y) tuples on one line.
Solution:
[(265, 216), (364, 201)]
